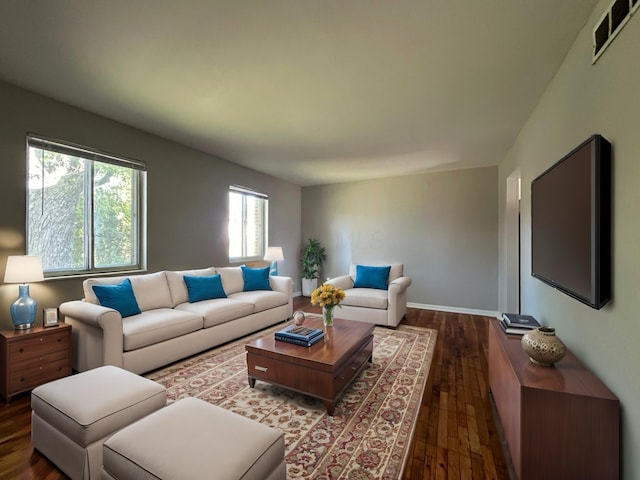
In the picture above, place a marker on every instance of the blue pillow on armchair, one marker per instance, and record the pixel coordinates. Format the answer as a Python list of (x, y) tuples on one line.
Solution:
[(372, 277), (200, 287), (255, 279), (120, 297)]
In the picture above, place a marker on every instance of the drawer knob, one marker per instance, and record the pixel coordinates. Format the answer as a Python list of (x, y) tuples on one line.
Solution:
[(21, 350), (59, 340), (261, 369), (22, 379), (41, 339)]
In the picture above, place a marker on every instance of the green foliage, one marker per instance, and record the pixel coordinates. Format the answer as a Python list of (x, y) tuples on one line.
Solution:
[(58, 212), (112, 214), (313, 256)]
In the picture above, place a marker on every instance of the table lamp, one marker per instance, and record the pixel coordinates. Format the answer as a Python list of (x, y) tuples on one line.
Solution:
[(23, 269), (273, 255)]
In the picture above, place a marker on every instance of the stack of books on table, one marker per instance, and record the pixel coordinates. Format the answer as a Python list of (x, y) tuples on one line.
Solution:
[(517, 324), (300, 335)]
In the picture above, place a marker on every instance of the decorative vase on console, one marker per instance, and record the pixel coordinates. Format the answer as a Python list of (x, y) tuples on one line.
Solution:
[(543, 346)]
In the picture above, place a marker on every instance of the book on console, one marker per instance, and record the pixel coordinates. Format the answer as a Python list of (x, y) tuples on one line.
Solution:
[(298, 332), (520, 321), (513, 330), (298, 341)]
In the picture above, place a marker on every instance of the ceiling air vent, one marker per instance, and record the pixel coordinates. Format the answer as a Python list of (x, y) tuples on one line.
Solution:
[(610, 24)]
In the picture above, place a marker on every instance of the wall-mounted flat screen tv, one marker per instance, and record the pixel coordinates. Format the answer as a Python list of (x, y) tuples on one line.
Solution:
[(571, 223)]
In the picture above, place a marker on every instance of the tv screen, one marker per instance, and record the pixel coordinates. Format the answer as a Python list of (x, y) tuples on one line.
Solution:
[(571, 223)]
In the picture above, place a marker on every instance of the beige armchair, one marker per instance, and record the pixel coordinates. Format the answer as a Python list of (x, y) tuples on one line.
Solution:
[(372, 303)]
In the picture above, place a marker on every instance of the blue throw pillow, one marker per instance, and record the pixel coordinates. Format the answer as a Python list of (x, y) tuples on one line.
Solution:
[(372, 277), (120, 297), (204, 287), (255, 279)]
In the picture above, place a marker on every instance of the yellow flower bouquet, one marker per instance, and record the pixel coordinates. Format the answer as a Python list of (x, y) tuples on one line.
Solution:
[(328, 297)]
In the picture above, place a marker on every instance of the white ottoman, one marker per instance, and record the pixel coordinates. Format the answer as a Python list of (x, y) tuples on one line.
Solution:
[(72, 417), (194, 440)]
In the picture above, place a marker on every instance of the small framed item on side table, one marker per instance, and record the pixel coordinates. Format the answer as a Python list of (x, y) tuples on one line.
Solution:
[(50, 317)]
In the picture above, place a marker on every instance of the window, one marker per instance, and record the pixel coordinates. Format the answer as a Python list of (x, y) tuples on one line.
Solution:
[(84, 209), (247, 224)]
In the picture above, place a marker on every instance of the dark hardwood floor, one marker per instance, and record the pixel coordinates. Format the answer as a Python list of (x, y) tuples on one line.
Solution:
[(455, 437)]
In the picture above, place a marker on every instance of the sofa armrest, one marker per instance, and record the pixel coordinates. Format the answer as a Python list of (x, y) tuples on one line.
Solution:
[(94, 323), (344, 282), (90, 313), (282, 284), (397, 296), (400, 284)]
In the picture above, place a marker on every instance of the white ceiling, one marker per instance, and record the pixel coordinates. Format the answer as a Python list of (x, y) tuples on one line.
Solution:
[(311, 91)]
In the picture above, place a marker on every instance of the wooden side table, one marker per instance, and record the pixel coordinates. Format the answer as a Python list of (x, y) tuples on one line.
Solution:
[(33, 357)]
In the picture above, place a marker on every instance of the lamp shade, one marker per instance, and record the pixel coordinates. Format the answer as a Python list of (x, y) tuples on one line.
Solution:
[(274, 254), (23, 269)]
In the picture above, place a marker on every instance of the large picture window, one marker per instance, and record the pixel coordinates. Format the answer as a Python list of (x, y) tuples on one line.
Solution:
[(84, 209), (247, 224)]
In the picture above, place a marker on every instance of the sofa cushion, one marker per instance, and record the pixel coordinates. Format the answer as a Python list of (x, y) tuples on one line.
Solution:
[(232, 280), (366, 297), (87, 286), (151, 289), (262, 299), (177, 287), (255, 279), (120, 297), (396, 271), (372, 277), (219, 310), (204, 288), (154, 326)]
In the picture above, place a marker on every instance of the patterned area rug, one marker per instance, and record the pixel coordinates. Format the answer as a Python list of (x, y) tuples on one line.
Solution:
[(369, 435)]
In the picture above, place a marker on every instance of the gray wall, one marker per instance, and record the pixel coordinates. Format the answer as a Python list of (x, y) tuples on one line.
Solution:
[(442, 226), (187, 193), (584, 99)]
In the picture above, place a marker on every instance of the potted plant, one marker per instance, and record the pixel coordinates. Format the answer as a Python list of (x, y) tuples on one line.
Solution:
[(313, 256)]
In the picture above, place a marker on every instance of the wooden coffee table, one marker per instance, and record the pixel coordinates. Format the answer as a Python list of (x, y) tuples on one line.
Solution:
[(323, 370)]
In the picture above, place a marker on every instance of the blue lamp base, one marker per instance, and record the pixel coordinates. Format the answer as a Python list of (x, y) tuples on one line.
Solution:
[(273, 268), (23, 310)]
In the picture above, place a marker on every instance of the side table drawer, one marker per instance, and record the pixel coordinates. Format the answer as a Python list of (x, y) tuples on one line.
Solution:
[(29, 358), (25, 379), (35, 363), (38, 345)]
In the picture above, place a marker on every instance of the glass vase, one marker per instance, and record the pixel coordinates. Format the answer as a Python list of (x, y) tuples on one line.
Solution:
[(327, 316)]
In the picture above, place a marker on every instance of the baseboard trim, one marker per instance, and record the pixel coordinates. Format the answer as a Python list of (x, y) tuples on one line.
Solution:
[(444, 308)]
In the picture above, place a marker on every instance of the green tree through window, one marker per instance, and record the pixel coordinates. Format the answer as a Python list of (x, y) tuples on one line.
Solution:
[(247, 224), (84, 209)]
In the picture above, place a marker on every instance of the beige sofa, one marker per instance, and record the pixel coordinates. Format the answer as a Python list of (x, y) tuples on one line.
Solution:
[(169, 327), (375, 305)]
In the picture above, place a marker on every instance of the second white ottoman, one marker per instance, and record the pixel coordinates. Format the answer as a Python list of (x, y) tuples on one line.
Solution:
[(71, 417), (192, 439)]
